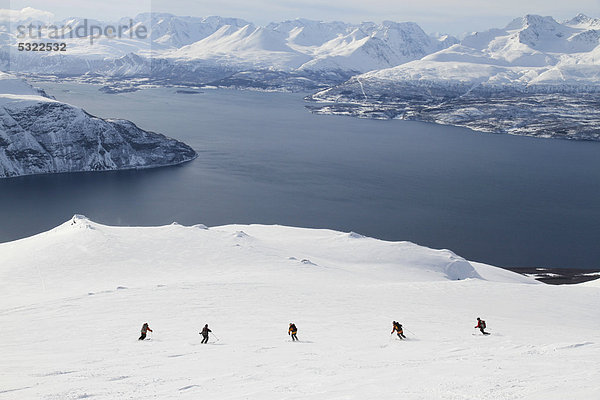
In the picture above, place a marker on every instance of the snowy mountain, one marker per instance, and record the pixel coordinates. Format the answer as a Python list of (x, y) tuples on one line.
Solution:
[(316, 46), (249, 46), (74, 299), (369, 46), (530, 67), (203, 50), (41, 135), (531, 53), (173, 31)]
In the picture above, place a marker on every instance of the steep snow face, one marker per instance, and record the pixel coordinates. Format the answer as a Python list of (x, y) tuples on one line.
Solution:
[(73, 300), (40, 135)]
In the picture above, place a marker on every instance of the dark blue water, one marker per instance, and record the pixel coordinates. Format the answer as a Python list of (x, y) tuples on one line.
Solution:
[(505, 200)]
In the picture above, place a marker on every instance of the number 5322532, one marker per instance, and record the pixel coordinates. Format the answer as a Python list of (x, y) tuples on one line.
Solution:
[(42, 46)]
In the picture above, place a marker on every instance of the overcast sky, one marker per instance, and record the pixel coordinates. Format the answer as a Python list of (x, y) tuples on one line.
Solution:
[(446, 16)]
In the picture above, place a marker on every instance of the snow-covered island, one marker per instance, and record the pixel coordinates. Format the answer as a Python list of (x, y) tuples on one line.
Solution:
[(39, 135), (73, 300)]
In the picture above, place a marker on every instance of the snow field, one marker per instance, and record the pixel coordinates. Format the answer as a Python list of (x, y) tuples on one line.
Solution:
[(73, 301)]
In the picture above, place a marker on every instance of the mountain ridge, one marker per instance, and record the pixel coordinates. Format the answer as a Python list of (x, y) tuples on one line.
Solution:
[(535, 77), (297, 46)]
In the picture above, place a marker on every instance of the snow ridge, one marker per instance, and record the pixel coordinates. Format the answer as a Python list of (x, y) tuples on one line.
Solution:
[(263, 248)]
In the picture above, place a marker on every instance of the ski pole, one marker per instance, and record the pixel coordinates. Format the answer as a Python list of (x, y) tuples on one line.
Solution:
[(215, 336), (410, 331)]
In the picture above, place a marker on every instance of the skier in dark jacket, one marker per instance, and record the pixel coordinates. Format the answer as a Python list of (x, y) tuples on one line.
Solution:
[(145, 328), (292, 331), (481, 325), (397, 327), (204, 333)]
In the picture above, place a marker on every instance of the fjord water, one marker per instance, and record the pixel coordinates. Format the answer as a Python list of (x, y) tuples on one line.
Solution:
[(263, 158)]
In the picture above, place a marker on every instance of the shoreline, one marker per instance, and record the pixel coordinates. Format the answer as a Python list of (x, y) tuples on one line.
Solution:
[(558, 276)]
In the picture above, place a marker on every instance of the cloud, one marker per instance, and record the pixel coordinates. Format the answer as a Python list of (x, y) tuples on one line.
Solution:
[(24, 14)]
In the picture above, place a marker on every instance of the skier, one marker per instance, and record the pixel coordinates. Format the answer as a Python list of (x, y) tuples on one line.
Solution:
[(145, 328), (204, 333), (481, 326), (397, 327), (292, 331)]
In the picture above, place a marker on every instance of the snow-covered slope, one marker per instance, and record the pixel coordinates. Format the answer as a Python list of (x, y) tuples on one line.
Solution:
[(73, 300), (41, 135), (260, 250), (531, 51), (251, 46), (369, 46), (303, 54), (173, 31), (313, 45), (543, 77)]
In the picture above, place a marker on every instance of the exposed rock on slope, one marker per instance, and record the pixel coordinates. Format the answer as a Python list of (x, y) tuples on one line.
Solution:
[(40, 135)]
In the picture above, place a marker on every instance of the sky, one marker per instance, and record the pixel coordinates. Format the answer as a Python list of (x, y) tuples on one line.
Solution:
[(443, 16)]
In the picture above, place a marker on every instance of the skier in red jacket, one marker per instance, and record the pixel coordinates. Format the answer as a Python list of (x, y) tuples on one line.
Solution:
[(145, 328), (481, 326)]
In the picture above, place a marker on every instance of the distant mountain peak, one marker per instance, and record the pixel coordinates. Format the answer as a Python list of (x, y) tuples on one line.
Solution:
[(531, 20), (582, 20)]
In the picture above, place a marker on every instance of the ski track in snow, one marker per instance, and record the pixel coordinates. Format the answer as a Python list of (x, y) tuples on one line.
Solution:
[(63, 343)]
